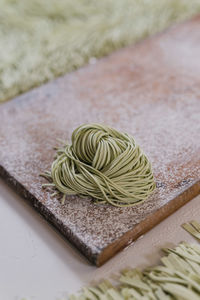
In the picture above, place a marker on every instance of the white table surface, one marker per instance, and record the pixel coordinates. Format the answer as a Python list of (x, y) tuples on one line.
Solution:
[(35, 262)]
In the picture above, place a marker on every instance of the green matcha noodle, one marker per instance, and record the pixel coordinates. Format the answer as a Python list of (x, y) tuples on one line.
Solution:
[(104, 164), (177, 277)]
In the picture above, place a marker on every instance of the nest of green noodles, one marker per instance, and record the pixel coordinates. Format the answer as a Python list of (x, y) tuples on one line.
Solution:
[(103, 163)]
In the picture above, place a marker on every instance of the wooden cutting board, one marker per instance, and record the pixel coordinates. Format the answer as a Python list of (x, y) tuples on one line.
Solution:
[(150, 90)]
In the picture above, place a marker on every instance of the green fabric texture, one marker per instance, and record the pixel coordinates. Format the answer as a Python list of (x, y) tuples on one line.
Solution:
[(102, 163), (42, 39)]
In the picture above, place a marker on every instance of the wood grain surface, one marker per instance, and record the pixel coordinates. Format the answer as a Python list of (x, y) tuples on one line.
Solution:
[(150, 90)]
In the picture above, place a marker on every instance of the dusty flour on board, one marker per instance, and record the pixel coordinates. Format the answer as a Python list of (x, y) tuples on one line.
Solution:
[(153, 99), (168, 136)]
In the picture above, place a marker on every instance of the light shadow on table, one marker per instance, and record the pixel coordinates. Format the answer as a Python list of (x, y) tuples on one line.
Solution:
[(68, 254)]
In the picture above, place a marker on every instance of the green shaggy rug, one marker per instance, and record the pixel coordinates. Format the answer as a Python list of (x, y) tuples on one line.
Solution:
[(42, 39)]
